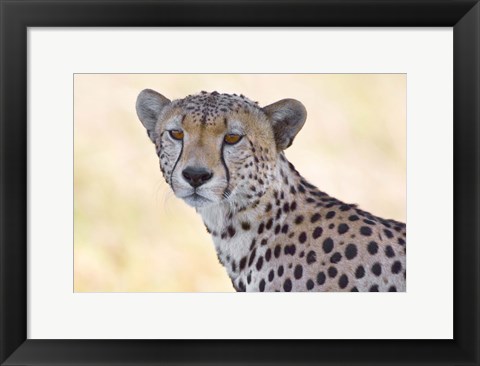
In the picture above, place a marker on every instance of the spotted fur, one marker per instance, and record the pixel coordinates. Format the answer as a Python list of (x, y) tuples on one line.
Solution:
[(272, 230)]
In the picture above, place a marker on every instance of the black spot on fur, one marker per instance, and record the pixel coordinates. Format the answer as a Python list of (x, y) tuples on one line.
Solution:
[(330, 214), (321, 278), (396, 267), (271, 275), (332, 272), (299, 219), (302, 238), (287, 285), (269, 224), (268, 254), (260, 228), (252, 257), (388, 233), (327, 245), (310, 284), (259, 263), (243, 263), (289, 249), (360, 272), (241, 287), (231, 231), (335, 258), (261, 286), (389, 251), (343, 281), (315, 218), (342, 228), (298, 272), (377, 269), (311, 257), (276, 251), (317, 232), (366, 231), (372, 248), (351, 251)]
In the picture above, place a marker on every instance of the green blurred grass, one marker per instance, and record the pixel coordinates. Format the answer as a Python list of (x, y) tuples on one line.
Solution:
[(132, 235)]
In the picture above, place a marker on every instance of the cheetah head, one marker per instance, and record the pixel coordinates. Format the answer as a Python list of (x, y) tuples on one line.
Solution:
[(218, 148)]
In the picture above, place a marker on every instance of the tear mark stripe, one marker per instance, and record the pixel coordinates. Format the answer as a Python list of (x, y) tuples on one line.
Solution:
[(178, 158), (227, 173)]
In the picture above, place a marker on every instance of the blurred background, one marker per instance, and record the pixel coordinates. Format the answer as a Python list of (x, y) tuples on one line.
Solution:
[(132, 235)]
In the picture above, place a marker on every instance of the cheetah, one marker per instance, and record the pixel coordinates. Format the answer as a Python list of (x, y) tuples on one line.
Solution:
[(273, 231)]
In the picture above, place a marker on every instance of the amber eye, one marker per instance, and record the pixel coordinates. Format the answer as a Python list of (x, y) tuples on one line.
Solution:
[(176, 134), (232, 138)]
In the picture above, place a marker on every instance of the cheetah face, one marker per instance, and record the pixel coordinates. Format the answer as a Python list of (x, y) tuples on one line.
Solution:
[(216, 148)]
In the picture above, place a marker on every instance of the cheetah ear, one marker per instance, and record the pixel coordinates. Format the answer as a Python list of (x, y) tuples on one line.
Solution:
[(149, 106), (287, 117)]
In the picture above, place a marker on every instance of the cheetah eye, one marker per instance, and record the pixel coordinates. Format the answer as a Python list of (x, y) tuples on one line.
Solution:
[(232, 138), (176, 134)]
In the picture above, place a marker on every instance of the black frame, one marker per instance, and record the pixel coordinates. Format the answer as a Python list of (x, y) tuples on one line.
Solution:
[(17, 15)]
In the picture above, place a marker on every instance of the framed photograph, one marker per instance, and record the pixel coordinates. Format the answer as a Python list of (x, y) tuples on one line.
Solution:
[(281, 244), (233, 182)]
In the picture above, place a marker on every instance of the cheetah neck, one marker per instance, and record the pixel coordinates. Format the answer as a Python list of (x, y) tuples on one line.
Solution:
[(237, 234)]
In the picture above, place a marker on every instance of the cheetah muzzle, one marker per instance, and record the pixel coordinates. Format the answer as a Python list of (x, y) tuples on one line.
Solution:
[(273, 231)]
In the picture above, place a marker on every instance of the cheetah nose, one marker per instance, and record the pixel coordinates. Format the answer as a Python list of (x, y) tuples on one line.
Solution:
[(196, 176)]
